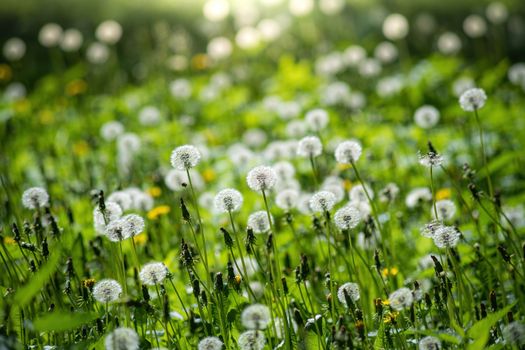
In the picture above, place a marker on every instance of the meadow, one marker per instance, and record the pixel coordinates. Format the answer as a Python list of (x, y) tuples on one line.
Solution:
[(279, 175)]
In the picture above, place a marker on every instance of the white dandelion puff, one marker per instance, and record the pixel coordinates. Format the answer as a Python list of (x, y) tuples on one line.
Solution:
[(153, 273), (473, 99), (514, 333), (316, 119), (287, 199), (347, 217), (228, 200), (446, 209), (107, 290), (35, 197), (112, 212), (185, 157), (135, 224), (426, 116), (309, 146), (429, 343), (401, 299), (118, 230), (322, 201), (255, 316), (258, 221), (446, 237), (261, 178), (350, 290), (348, 152), (122, 338), (251, 340), (210, 343)]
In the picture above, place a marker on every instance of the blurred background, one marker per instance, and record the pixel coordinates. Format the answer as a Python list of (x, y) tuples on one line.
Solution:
[(134, 39)]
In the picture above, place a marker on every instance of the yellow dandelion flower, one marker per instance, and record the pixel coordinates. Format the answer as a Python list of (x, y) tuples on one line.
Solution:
[(80, 148), (9, 240), (342, 167), (76, 87), (238, 279), (208, 175), (158, 211), (200, 61), (88, 283), (444, 193), (141, 238), (154, 191), (390, 317), (5, 72), (347, 184), (46, 117)]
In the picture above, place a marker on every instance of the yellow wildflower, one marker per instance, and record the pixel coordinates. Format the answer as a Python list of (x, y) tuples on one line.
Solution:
[(158, 211), (444, 193)]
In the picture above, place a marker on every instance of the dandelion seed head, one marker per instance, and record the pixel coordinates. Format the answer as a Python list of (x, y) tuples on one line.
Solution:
[(516, 74), (122, 198), (177, 180), (135, 224), (113, 212), (185, 157), (322, 201), (309, 146), (357, 193), (348, 217), (497, 12), (149, 115), (128, 143), (316, 119), (461, 85), (475, 26), (255, 316), (395, 26), (429, 230), (430, 159), (261, 178), (514, 333), (287, 199), (446, 237), (429, 343), (180, 88), (153, 273), (50, 35), (284, 170), (106, 290), (118, 230), (71, 40), (338, 191), (449, 43), (109, 32), (14, 49), (251, 340), (141, 200), (228, 200), (473, 99), (258, 221), (97, 53), (351, 289), (401, 299), (389, 193), (35, 197), (111, 130), (347, 152), (417, 196), (296, 128), (122, 338), (446, 209), (426, 116), (240, 155), (210, 343)]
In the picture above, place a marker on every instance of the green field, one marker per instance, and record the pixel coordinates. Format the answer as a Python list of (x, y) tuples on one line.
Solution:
[(296, 174)]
